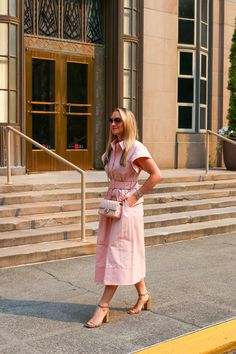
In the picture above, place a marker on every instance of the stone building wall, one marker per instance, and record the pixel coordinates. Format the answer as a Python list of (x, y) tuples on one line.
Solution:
[(159, 80)]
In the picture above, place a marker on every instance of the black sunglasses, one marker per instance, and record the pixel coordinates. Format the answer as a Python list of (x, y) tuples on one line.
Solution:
[(115, 120)]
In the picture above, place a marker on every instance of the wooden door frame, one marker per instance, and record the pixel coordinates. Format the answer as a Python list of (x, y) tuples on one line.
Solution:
[(60, 94)]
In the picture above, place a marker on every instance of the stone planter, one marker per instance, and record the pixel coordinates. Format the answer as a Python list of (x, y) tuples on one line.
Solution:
[(229, 154)]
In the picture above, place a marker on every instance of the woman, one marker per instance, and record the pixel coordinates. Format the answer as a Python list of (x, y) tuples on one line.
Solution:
[(120, 255)]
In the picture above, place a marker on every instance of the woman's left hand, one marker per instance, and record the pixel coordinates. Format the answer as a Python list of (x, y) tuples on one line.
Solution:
[(130, 198)]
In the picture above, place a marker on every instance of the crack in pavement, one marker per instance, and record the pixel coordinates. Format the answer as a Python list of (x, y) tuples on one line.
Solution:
[(67, 282), (177, 319)]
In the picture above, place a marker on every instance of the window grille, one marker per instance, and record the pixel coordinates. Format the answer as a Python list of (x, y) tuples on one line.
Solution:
[(79, 20)]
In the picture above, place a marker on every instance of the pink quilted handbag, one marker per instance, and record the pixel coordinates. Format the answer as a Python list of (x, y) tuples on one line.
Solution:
[(110, 208)]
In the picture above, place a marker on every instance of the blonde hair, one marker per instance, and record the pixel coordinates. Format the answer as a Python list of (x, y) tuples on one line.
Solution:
[(130, 135)]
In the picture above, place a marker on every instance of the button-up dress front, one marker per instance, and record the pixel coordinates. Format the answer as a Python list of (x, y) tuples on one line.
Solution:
[(120, 254)]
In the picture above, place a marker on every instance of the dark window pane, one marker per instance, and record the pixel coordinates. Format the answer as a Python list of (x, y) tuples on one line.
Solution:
[(28, 16), (203, 92), (204, 4), (77, 85), (76, 132), (203, 65), (43, 130), (202, 118), (94, 21), (48, 18), (204, 35), (73, 19), (186, 8), (185, 118), (185, 90), (186, 63), (186, 31), (43, 81)]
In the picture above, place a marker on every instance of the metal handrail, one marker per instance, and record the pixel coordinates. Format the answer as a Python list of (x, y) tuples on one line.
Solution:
[(208, 132), (56, 156)]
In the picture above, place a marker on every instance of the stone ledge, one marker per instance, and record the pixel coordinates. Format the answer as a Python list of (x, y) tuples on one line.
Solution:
[(15, 171)]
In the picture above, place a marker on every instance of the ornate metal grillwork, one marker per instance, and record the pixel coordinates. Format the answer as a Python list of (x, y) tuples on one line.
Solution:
[(73, 19), (29, 14), (48, 18), (93, 21), (79, 20)]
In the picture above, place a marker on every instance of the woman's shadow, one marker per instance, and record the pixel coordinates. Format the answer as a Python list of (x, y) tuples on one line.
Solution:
[(57, 311)]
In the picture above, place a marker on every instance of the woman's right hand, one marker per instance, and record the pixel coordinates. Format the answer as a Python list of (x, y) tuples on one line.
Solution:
[(131, 199)]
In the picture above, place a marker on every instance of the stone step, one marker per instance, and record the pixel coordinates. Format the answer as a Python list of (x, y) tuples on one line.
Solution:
[(38, 196), (58, 226), (42, 222), (162, 187), (102, 182), (184, 232), (43, 234), (16, 210), (194, 186), (185, 205), (46, 207), (190, 196), (172, 214), (39, 220), (45, 251), (179, 190), (189, 217)]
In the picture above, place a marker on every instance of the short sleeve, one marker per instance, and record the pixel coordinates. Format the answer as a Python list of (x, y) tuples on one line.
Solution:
[(139, 150)]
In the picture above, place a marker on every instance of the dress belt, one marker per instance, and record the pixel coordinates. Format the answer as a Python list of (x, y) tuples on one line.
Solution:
[(122, 184)]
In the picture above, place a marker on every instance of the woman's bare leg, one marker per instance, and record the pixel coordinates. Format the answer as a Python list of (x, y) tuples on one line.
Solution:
[(142, 290), (141, 287), (100, 312)]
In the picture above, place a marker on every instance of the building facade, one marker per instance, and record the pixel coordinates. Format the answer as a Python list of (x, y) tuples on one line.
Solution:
[(66, 64)]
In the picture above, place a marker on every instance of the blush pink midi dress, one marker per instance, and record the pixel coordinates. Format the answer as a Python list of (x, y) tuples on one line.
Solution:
[(120, 253)]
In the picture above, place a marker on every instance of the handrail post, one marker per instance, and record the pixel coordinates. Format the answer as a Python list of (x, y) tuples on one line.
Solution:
[(8, 140), (83, 236), (207, 152), (56, 156)]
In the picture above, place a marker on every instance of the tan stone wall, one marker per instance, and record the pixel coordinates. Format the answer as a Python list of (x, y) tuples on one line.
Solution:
[(223, 24), (190, 150), (230, 17), (217, 77), (160, 83), (160, 79)]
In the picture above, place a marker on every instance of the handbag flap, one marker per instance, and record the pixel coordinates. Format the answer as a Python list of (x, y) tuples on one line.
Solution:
[(110, 204)]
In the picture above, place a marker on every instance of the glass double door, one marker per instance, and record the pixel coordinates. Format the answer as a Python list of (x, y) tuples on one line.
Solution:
[(59, 110)]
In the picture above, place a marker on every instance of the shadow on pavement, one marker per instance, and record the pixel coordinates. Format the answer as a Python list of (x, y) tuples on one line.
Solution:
[(57, 311)]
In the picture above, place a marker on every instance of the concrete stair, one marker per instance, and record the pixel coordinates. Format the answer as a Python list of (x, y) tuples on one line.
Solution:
[(41, 222)]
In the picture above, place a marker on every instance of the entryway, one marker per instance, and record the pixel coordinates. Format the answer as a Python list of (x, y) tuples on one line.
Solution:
[(59, 109)]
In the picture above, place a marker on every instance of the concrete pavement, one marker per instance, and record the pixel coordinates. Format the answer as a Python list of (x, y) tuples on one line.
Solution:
[(43, 306)]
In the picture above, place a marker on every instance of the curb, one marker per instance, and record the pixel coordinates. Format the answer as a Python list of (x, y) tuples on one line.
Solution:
[(218, 339)]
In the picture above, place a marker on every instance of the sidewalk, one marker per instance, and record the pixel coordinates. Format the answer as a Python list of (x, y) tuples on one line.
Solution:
[(43, 306)]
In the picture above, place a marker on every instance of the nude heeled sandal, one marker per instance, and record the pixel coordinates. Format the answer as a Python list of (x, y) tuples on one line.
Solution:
[(91, 324), (147, 306)]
